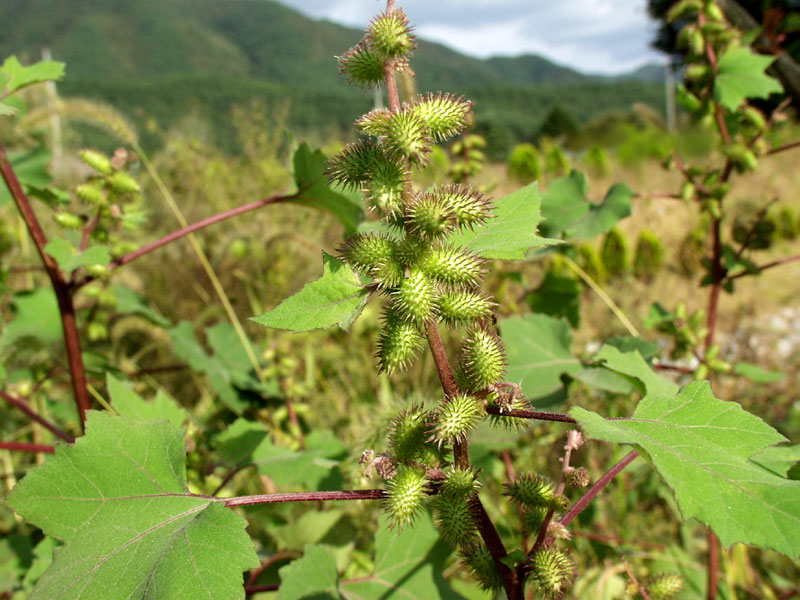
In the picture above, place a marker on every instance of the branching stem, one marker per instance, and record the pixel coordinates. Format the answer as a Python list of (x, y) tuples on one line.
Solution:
[(34, 416)]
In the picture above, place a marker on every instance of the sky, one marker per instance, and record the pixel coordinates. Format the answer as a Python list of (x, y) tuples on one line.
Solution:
[(592, 36)]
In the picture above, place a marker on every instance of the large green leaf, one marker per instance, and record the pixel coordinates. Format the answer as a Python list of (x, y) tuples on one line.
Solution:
[(408, 565), (512, 232), (539, 352), (130, 404), (118, 499), (557, 296), (315, 191), (316, 467), (337, 298), (741, 75), (704, 447), (17, 76), (568, 211), (31, 170), (757, 373), (130, 302)]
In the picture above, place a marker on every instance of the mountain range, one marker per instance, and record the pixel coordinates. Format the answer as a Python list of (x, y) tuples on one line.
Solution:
[(115, 49)]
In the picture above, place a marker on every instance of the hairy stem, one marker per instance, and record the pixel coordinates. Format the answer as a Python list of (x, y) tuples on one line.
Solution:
[(305, 497), (25, 447), (597, 487), (530, 414), (34, 416), (61, 286)]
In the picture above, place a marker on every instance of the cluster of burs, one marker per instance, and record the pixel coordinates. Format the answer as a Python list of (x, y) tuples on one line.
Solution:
[(427, 279)]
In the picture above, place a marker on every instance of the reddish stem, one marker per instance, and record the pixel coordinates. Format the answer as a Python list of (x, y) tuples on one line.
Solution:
[(769, 265), (713, 565), (530, 414), (597, 487), (783, 148), (306, 497), (175, 235), (25, 447), (278, 556), (34, 416), (61, 287)]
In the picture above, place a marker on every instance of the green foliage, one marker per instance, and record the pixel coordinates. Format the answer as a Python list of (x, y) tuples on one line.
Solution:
[(556, 162), (597, 162), (337, 298), (135, 516), (129, 404), (697, 443), (557, 296), (740, 76), (649, 255), (523, 163), (788, 224), (558, 123), (615, 254), (539, 351)]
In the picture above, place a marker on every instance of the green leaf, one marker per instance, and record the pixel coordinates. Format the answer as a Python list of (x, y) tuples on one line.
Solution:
[(512, 232), (118, 499), (603, 379), (557, 296), (187, 347), (16, 557), (779, 459), (628, 343), (315, 191), (132, 303), (308, 529), (539, 352), (703, 447), (19, 77), (757, 374), (130, 404), (313, 577), (741, 75), (36, 317), (634, 366), (316, 467), (408, 565), (69, 258), (337, 298), (237, 443), (568, 211)]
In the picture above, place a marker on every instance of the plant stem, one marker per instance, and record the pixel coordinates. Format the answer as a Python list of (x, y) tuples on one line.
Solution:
[(597, 487), (25, 447), (530, 414), (512, 582), (716, 284), (562, 482), (603, 295), (769, 265), (34, 416), (61, 287), (184, 231), (783, 148), (305, 497), (266, 564)]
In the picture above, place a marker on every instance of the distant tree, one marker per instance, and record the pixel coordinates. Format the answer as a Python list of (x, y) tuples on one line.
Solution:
[(558, 123)]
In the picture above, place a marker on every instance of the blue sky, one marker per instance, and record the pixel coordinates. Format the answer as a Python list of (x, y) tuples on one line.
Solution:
[(595, 36)]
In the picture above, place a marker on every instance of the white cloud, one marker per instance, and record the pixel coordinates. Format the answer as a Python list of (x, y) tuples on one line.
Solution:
[(596, 36)]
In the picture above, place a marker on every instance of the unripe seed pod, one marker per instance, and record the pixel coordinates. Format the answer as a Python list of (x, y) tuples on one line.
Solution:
[(532, 518), (386, 187), (416, 299), (696, 72), (390, 35), (464, 307), (481, 564), (455, 418), (388, 273), (684, 9), (454, 267), (99, 271), (469, 206), (123, 183), (96, 160), (96, 331), (405, 496), (713, 12), (688, 191), (553, 571), (362, 65), (354, 165), (697, 43), (410, 250), (68, 220), (364, 250), (407, 433), (445, 114), (755, 117), (456, 522), (430, 216), (482, 359), (90, 193), (459, 483), (534, 491), (687, 99), (405, 134), (701, 373), (398, 345), (665, 586)]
